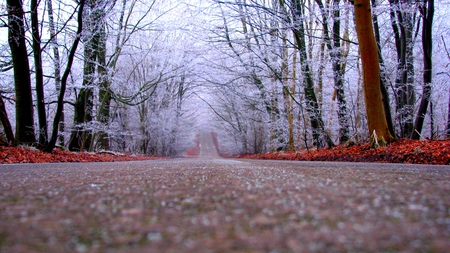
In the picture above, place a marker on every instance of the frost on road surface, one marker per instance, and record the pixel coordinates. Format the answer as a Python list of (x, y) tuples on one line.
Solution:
[(218, 205)]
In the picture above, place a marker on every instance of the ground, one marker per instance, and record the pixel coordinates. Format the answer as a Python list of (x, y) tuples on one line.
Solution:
[(402, 151), (10, 155), (210, 204), (224, 205)]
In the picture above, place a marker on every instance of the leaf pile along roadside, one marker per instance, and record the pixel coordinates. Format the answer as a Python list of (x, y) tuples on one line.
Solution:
[(30, 155), (401, 151)]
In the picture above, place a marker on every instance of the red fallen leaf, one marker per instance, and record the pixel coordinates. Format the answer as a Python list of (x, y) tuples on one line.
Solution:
[(30, 155), (402, 151)]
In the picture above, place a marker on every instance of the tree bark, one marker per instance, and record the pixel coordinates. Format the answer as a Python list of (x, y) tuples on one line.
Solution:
[(427, 11), (402, 24), (383, 75), (334, 47), (39, 76), (22, 82), (70, 58), (82, 136), (5, 122), (378, 128), (56, 61), (104, 93), (320, 137)]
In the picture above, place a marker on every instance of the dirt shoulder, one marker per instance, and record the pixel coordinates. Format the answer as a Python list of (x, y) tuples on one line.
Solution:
[(194, 205)]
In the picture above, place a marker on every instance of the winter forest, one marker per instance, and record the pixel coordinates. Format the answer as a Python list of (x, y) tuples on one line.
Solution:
[(146, 76)]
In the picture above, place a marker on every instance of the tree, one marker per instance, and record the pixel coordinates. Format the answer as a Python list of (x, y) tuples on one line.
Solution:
[(5, 122), (320, 137), (82, 137), (403, 20), (376, 118), (39, 76), (383, 75), (257, 56), (56, 59), (334, 47), (427, 12), (22, 82), (60, 103)]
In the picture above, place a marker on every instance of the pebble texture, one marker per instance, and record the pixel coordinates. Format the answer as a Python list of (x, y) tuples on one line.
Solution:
[(219, 205)]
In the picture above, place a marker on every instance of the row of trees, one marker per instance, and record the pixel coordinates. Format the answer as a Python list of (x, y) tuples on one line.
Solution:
[(125, 87), (295, 66), (143, 76)]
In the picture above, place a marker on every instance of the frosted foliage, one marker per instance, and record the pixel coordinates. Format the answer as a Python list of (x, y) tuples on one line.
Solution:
[(178, 68)]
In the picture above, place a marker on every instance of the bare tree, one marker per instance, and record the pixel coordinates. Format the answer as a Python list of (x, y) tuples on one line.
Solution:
[(403, 21), (22, 82), (39, 75), (427, 11), (378, 128), (60, 106)]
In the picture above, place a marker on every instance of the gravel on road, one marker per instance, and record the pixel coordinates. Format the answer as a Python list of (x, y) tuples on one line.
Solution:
[(221, 205)]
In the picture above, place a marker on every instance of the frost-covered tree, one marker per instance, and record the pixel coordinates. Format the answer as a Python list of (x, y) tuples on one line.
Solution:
[(22, 82)]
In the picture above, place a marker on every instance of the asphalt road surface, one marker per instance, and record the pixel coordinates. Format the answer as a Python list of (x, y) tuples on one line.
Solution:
[(207, 147), (221, 205)]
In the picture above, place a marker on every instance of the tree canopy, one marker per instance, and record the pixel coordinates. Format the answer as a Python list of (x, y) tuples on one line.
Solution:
[(147, 76)]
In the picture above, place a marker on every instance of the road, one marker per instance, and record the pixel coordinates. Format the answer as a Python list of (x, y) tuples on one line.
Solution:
[(207, 147), (224, 205)]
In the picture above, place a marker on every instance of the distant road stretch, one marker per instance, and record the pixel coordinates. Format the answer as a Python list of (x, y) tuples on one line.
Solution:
[(207, 146)]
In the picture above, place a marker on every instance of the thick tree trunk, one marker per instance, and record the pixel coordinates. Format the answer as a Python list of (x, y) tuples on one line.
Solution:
[(402, 25), (378, 128), (427, 11), (82, 136), (22, 81), (104, 93), (39, 76)]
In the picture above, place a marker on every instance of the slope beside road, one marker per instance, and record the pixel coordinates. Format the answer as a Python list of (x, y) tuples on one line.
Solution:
[(220, 205)]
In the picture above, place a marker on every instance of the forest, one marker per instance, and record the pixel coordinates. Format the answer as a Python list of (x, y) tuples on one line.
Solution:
[(146, 76)]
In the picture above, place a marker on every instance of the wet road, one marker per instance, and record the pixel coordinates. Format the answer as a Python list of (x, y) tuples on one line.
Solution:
[(222, 205)]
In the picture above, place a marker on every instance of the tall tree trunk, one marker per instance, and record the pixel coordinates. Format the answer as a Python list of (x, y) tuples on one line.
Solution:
[(334, 47), (383, 75), (81, 136), (320, 137), (378, 128), (427, 11), (39, 76), (288, 92), (22, 81), (402, 24), (70, 58), (104, 93), (56, 61)]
